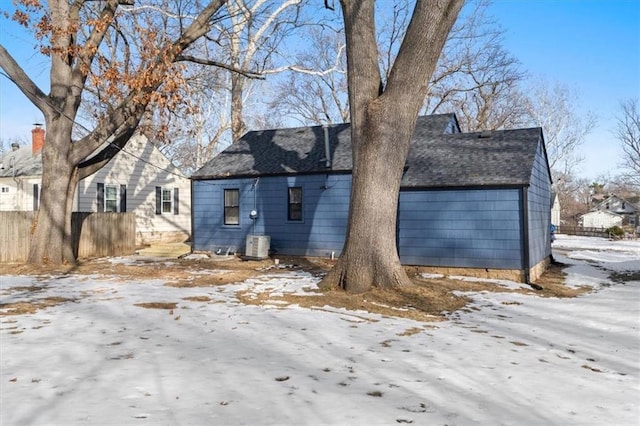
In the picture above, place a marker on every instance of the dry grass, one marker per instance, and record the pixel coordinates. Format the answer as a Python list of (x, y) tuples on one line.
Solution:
[(416, 303), (183, 273), (197, 298), (553, 283), (427, 301), (21, 308), (158, 305)]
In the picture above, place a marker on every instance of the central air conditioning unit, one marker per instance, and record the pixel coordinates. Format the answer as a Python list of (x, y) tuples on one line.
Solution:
[(257, 246)]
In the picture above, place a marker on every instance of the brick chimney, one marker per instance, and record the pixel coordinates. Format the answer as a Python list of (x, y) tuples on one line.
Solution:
[(37, 139)]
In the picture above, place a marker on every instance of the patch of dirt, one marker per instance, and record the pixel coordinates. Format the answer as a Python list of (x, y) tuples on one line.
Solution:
[(421, 302), (30, 307), (188, 279), (30, 289), (553, 283), (197, 298), (411, 331), (157, 305), (179, 272), (428, 301)]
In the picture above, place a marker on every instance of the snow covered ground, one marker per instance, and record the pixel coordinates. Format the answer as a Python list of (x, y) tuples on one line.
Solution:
[(513, 359)]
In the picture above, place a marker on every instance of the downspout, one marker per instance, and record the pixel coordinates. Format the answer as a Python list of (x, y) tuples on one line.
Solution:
[(254, 217), (525, 234)]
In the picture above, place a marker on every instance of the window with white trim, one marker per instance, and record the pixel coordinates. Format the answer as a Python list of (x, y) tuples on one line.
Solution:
[(232, 206), (167, 200), (111, 198)]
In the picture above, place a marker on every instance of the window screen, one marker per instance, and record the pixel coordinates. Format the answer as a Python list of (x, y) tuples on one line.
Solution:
[(231, 206), (166, 201), (295, 203), (111, 198)]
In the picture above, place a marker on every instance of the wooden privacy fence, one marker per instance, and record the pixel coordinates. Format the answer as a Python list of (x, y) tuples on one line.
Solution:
[(94, 234), (15, 228), (103, 234)]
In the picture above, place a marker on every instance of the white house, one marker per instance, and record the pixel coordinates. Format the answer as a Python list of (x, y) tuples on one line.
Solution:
[(623, 207), (601, 219), (20, 178), (139, 179)]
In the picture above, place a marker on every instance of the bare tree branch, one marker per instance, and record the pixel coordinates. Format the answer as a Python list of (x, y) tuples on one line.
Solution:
[(130, 111), (628, 133), (554, 108), (16, 74), (316, 91), (310, 71), (201, 61)]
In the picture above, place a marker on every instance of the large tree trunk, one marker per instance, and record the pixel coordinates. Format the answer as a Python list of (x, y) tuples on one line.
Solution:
[(370, 256), (51, 241), (382, 123)]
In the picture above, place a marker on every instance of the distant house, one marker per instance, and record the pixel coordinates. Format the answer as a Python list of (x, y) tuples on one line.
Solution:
[(601, 219), (468, 200), (139, 179), (628, 210), (20, 177)]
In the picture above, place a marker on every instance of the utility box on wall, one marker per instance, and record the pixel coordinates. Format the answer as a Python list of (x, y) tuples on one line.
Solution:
[(257, 246)]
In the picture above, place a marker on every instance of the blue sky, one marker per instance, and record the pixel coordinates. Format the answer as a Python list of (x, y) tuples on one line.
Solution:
[(593, 46)]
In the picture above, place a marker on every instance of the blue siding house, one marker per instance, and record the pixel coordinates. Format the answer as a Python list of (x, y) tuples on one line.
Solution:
[(469, 202)]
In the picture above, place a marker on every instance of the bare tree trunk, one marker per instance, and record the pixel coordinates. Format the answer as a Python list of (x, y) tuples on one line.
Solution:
[(382, 123), (51, 239), (370, 256)]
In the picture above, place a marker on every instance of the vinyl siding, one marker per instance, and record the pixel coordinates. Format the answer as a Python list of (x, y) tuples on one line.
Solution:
[(20, 194), (616, 205), (458, 228), (141, 172), (599, 219), (539, 200), (474, 228), (320, 232)]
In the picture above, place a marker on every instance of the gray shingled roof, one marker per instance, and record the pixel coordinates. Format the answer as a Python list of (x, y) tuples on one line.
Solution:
[(495, 158), (435, 159), (20, 162)]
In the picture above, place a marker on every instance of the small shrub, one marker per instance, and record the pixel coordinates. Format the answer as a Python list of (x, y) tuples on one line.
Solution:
[(615, 232)]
